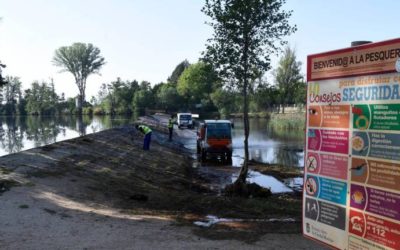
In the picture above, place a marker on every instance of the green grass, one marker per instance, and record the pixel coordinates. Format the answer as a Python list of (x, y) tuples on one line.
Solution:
[(288, 121)]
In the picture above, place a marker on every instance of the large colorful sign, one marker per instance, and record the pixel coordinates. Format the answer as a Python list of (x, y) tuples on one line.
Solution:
[(351, 194)]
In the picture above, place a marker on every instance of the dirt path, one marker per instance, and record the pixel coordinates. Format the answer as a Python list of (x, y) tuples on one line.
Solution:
[(55, 222), (102, 191)]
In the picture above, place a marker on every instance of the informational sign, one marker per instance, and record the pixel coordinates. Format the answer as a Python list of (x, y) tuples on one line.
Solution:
[(351, 196)]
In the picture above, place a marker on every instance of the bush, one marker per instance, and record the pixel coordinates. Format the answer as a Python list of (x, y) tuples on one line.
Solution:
[(288, 121), (98, 111), (87, 111)]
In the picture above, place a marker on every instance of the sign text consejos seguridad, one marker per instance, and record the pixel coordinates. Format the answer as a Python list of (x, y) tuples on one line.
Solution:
[(358, 90)]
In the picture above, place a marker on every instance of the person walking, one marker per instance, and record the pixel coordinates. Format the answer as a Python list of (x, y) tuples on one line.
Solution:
[(171, 122), (147, 135)]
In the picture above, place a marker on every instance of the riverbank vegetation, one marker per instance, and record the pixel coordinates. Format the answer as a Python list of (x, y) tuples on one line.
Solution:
[(293, 122), (191, 87)]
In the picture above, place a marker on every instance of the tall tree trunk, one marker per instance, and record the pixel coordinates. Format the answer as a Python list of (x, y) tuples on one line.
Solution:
[(80, 104), (244, 170), (81, 100)]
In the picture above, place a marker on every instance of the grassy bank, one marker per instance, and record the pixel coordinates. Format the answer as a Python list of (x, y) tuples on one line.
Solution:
[(295, 121), (264, 115)]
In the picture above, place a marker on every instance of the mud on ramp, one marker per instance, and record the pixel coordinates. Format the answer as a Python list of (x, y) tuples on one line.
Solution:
[(110, 170)]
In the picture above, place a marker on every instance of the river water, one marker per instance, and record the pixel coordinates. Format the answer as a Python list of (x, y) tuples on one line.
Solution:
[(265, 144), (268, 145), (22, 133)]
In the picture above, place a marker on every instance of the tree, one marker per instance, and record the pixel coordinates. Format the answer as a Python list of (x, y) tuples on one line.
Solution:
[(81, 60), (300, 93), (143, 98), (197, 83), (41, 99), (116, 97), (2, 80), (224, 100), (12, 94), (168, 98), (178, 71), (265, 96), (288, 76), (245, 33)]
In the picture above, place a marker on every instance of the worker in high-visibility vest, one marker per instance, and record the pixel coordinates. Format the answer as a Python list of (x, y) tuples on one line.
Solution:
[(147, 135), (171, 122)]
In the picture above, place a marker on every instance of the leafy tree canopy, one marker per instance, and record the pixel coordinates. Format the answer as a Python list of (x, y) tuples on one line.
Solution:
[(197, 82), (81, 60), (168, 98), (246, 32), (287, 75), (178, 71)]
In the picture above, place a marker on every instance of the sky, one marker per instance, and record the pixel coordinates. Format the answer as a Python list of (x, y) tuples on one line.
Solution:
[(146, 39)]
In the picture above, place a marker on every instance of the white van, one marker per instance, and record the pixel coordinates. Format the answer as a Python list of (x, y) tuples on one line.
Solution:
[(184, 120)]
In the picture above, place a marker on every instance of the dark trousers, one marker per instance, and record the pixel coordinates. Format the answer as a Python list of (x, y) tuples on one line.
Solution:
[(146, 142), (170, 133)]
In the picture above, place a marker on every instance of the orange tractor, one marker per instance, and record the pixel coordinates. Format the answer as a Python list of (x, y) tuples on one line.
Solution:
[(214, 138)]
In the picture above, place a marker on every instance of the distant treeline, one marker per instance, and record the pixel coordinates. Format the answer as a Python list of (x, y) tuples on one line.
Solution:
[(191, 87)]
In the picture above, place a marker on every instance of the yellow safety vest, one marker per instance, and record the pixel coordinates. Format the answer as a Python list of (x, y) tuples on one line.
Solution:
[(171, 123), (145, 129)]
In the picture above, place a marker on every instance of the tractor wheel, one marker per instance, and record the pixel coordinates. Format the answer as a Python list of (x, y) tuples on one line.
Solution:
[(229, 158), (203, 155)]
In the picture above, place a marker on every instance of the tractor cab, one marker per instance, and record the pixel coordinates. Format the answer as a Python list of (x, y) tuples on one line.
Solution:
[(214, 137)]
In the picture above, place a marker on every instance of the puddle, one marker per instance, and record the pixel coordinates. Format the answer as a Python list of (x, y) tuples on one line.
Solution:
[(210, 220), (266, 181), (294, 183), (222, 173), (227, 174)]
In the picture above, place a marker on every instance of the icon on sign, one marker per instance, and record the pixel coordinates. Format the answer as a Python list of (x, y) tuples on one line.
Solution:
[(311, 163), (356, 223), (312, 208), (312, 111), (359, 170), (311, 186), (358, 197), (357, 143), (362, 122)]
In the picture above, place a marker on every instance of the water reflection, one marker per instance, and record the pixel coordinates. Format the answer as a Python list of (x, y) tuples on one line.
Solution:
[(11, 136), (294, 183), (268, 145), (21, 133), (265, 181)]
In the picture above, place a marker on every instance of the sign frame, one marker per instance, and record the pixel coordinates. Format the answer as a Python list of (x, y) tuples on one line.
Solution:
[(344, 121)]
